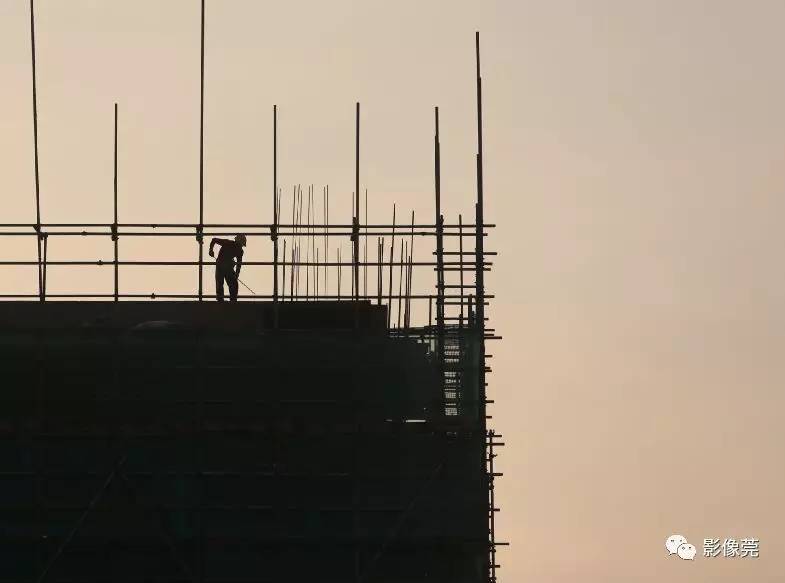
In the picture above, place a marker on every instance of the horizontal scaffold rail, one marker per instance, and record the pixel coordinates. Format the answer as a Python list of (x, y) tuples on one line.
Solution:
[(400, 228)]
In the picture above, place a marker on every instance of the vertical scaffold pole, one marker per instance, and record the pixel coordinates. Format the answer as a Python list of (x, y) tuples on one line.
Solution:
[(439, 243), (37, 227), (200, 229), (480, 301), (460, 261), (365, 249), (274, 230), (390, 284), (114, 224), (479, 228)]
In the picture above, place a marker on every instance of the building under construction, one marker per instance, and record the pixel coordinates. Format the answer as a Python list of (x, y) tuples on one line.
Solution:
[(332, 428)]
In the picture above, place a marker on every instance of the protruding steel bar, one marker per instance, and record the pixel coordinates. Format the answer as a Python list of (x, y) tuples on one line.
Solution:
[(400, 282), (326, 228), (460, 258), (407, 300), (299, 237), (411, 287), (392, 251), (308, 245), (408, 267), (312, 237), (439, 221), (351, 238), (317, 246), (291, 265), (365, 248), (283, 257), (356, 220)]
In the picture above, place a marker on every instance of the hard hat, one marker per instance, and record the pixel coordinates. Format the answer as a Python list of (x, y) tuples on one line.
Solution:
[(240, 239)]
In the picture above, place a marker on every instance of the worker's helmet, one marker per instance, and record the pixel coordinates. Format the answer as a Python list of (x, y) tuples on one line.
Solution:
[(240, 239)]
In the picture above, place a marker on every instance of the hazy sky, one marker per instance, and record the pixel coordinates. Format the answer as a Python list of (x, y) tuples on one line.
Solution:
[(634, 166)]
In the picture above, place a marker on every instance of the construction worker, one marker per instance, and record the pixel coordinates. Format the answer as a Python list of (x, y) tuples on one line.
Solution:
[(225, 266)]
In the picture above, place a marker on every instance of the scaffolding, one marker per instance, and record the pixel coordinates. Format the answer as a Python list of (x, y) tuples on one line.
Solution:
[(305, 264)]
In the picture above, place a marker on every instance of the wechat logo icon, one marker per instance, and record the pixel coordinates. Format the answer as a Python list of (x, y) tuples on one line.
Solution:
[(678, 545)]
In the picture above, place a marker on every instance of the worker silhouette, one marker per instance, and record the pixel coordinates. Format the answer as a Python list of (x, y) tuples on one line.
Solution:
[(225, 267)]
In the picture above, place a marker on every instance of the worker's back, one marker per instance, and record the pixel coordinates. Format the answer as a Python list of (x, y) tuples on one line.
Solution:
[(229, 251)]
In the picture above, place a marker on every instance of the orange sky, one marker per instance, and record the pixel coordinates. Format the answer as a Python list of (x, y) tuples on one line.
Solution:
[(634, 165)]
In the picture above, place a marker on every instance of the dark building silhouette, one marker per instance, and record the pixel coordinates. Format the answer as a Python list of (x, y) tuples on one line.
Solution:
[(185, 441)]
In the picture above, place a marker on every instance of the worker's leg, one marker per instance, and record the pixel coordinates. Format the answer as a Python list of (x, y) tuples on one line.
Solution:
[(219, 284), (231, 282)]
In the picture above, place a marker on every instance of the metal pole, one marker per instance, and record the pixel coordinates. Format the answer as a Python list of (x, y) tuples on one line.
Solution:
[(308, 246), (199, 238), (408, 273), (43, 277), (326, 249), (274, 230), (409, 292), (439, 222), (365, 248), (312, 237), (245, 286), (356, 222), (400, 282), (302, 232), (379, 258), (291, 270), (37, 225), (291, 265), (439, 235), (480, 199), (351, 237), (392, 255), (460, 260), (114, 225), (480, 291), (283, 271)]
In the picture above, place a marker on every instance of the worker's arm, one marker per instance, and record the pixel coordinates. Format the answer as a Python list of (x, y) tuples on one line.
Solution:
[(239, 264), (213, 242)]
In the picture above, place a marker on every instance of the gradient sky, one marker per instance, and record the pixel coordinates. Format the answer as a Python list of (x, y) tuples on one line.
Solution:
[(634, 166)]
